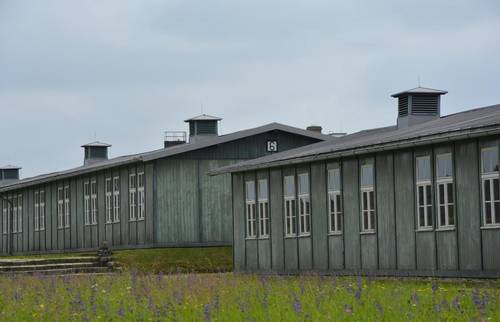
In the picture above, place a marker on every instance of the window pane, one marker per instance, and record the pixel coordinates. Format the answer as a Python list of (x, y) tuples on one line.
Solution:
[(339, 222), (365, 201), (444, 165), (332, 204), (262, 188), (420, 195), (495, 189), (365, 220), (451, 215), (487, 209), (339, 204), (303, 183), (489, 160), (372, 201), (442, 216), (334, 180), (289, 186), (421, 216), (429, 215), (308, 210), (250, 190), (441, 194), (450, 192), (486, 190), (497, 212), (428, 194), (423, 168), (367, 175), (372, 219)]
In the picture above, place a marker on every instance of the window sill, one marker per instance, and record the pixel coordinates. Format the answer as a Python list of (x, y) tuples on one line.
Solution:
[(250, 238), (264, 238), (305, 235), (490, 227), (337, 233), (290, 236), (368, 232), (446, 229), (142, 219), (423, 230)]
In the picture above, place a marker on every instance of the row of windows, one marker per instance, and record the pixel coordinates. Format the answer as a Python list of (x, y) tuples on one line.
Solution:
[(257, 209), (112, 193)]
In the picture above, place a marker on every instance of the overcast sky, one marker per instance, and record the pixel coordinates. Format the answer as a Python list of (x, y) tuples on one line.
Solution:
[(125, 71)]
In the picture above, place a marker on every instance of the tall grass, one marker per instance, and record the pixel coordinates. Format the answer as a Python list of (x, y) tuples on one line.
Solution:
[(232, 297)]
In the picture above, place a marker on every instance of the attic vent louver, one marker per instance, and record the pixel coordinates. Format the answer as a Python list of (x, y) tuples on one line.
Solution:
[(425, 104), (403, 106), (418, 105)]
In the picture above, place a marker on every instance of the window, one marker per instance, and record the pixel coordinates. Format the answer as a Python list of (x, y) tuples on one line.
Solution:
[(290, 207), (424, 192), (109, 205), (367, 198), (445, 194), (250, 209), (140, 195), (66, 207), (14, 214), (116, 199), (263, 198), (335, 202), (86, 202), (132, 196), (5, 216), (93, 202), (20, 213), (304, 205), (490, 186), (41, 225), (60, 207), (37, 211)]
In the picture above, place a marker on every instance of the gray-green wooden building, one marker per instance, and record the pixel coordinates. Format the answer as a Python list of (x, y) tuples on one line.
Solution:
[(418, 198), (158, 198)]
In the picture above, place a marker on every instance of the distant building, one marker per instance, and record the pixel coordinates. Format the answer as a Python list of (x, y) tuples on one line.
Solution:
[(158, 198), (418, 198)]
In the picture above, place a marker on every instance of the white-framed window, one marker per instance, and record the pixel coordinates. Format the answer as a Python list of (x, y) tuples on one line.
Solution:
[(334, 201), (37, 211), (14, 214), (445, 190), (132, 196), (5, 217), (116, 199), (263, 202), (109, 204), (60, 207), (140, 196), (367, 198), (490, 186), (67, 207), (251, 213), (20, 213), (41, 224), (290, 206), (424, 192), (86, 202), (93, 202), (304, 205)]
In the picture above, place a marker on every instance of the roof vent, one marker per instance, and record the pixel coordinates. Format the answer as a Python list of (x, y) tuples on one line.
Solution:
[(315, 128), (418, 105), (9, 173), (95, 152), (203, 126), (173, 138)]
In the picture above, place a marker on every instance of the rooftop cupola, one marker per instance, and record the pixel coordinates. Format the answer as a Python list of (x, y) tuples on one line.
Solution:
[(418, 105), (203, 126), (95, 152), (9, 173)]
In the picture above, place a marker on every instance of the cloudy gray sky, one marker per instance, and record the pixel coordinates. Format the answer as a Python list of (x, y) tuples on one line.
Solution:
[(125, 71)]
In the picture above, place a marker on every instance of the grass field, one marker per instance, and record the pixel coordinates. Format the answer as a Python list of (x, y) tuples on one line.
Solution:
[(232, 297)]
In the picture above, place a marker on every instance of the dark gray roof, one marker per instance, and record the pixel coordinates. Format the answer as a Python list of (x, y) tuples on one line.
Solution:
[(204, 117), (97, 144), (158, 154), (473, 123), (420, 90), (10, 167)]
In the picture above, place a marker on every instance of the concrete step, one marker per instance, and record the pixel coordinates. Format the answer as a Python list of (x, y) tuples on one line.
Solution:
[(44, 267), (46, 261), (64, 271)]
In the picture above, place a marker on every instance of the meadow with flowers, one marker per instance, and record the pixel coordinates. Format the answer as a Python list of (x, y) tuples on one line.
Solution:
[(132, 296)]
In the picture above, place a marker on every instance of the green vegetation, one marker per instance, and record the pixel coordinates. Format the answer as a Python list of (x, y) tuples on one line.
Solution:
[(170, 260), (231, 297)]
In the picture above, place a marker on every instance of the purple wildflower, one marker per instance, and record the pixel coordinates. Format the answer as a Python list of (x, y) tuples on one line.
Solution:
[(456, 304), (121, 312), (207, 313), (434, 286), (437, 308), (360, 282), (297, 306), (378, 306), (414, 298), (357, 294), (476, 299)]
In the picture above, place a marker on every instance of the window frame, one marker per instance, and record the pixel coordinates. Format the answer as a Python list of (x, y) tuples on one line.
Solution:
[(93, 202), (290, 201), (116, 199), (132, 200), (424, 184), (263, 211), (60, 207), (250, 211), (371, 208), (109, 205), (67, 206), (141, 198), (490, 176), (86, 203), (335, 215), (304, 207), (445, 182)]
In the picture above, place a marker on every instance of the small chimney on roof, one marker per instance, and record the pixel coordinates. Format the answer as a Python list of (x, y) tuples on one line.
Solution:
[(203, 126), (95, 152), (173, 138), (315, 128), (9, 173), (418, 105)]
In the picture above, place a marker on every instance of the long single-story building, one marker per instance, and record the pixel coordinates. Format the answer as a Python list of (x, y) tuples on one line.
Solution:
[(158, 198), (418, 198)]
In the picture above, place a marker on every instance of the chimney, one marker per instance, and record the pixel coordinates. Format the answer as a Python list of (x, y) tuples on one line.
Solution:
[(173, 138), (9, 173), (418, 105), (315, 128), (203, 127), (95, 152)]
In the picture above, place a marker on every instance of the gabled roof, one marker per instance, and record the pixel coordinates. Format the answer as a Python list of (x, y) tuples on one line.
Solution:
[(420, 90), (161, 153), (203, 117), (9, 167), (473, 123), (96, 144)]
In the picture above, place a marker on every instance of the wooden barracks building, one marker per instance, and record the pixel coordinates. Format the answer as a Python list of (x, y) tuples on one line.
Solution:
[(418, 198), (158, 198)]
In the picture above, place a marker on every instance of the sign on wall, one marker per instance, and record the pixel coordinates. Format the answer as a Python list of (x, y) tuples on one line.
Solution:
[(272, 146)]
